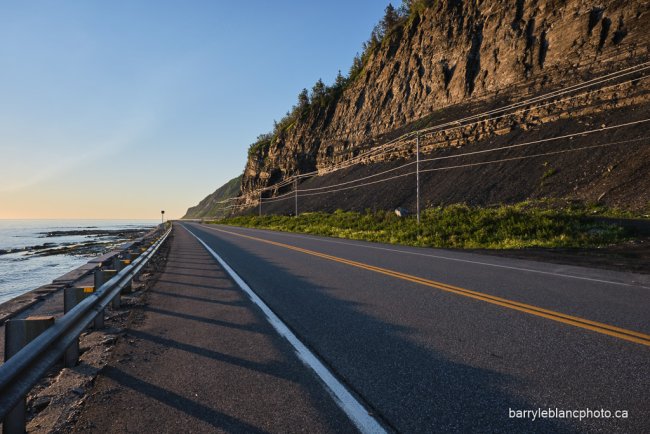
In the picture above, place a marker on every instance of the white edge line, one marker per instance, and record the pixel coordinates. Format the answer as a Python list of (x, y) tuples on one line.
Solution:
[(487, 264), (344, 399)]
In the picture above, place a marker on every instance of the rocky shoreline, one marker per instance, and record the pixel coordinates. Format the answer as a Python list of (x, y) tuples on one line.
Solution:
[(55, 402), (99, 251), (101, 242)]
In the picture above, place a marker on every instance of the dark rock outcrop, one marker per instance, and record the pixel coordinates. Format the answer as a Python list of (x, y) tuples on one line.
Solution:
[(459, 54)]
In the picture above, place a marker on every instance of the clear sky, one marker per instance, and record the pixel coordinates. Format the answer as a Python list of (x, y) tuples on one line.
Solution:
[(121, 108)]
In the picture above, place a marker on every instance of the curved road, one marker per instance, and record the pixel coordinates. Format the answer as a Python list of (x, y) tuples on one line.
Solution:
[(439, 341)]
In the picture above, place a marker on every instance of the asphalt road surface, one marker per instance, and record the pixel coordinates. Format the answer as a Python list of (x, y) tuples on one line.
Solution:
[(203, 358), (444, 341)]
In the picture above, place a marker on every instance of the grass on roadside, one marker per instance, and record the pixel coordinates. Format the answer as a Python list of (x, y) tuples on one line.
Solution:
[(526, 224)]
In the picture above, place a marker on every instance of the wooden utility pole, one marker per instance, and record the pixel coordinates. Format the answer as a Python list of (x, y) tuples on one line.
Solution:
[(295, 190), (417, 175)]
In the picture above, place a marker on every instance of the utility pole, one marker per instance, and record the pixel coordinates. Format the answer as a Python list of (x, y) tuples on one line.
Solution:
[(295, 190), (260, 203), (417, 175)]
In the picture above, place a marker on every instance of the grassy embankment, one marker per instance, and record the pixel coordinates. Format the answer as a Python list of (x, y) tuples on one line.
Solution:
[(526, 224)]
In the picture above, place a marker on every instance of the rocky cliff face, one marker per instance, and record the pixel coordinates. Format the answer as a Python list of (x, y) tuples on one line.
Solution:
[(459, 52)]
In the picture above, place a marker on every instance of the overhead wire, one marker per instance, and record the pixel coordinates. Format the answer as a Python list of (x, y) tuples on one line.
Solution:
[(455, 125), (481, 163), (524, 157), (601, 60), (483, 151), (534, 142)]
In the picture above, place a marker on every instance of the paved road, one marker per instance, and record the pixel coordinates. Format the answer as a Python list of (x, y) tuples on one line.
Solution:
[(204, 359), (439, 341)]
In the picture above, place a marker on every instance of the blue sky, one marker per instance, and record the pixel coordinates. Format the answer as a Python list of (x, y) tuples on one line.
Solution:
[(119, 109)]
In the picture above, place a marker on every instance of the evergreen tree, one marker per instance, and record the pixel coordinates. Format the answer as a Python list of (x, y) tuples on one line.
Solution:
[(303, 99), (405, 8), (391, 19), (376, 36), (357, 66), (318, 92), (339, 81)]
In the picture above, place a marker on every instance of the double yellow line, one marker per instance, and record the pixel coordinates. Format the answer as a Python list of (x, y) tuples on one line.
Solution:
[(606, 329)]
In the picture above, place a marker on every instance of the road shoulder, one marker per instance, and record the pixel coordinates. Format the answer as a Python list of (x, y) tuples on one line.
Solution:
[(204, 359)]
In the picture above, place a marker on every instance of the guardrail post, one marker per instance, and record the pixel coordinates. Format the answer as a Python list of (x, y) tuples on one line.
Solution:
[(71, 355), (103, 276), (18, 333), (119, 265), (133, 255), (71, 298), (74, 296)]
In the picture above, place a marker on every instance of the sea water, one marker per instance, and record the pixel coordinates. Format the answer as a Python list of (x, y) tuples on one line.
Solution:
[(24, 269)]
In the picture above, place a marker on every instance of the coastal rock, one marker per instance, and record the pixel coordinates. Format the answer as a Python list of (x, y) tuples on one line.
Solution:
[(471, 55)]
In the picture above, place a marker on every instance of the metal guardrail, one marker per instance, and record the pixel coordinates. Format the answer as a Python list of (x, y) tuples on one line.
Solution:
[(22, 371)]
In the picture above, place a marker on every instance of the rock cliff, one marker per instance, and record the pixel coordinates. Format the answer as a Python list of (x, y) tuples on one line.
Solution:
[(457, 52), (453, 58)]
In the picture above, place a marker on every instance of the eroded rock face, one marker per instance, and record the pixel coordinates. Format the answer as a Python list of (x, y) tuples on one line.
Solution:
[(458, 52)]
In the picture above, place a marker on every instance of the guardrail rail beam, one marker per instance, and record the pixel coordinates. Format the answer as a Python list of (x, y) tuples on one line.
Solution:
[(42, 348)]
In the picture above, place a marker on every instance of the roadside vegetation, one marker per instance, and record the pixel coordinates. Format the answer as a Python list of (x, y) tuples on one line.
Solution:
[(526, 224)]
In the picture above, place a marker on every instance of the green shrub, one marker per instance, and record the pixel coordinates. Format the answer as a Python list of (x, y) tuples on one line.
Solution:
[(526, 224)]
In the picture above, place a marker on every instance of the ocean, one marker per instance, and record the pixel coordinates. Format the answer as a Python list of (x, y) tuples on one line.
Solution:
[(34, 252)]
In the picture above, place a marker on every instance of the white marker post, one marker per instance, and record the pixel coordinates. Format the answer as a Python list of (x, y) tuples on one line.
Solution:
[(295, 189), (417, 176)]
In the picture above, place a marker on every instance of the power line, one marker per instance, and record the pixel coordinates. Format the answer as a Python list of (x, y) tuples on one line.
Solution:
[(467, 165), (483, 163), (457, 124), (550, 139), (453, 125), (601, 60), (361, 185), (518, 145), (524, 157), (361, 179)]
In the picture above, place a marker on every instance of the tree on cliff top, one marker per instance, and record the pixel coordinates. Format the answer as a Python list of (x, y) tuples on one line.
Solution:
[(391, 19), (318, 92), (339, 82), (321, 94), (303, 99)]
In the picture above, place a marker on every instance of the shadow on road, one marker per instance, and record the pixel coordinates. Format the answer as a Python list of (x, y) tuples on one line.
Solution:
[(414, 388), (190, 297), (179, 402)]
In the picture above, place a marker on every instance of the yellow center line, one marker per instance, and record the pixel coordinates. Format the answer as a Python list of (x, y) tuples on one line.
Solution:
[(606, 329)]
